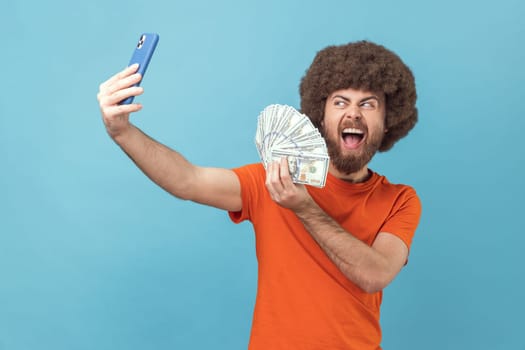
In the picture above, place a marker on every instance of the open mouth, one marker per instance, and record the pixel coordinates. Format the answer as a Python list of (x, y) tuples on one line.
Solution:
[(352, 137)]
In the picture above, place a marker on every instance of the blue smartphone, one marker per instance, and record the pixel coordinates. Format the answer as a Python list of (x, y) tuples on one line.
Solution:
[(142, 55)]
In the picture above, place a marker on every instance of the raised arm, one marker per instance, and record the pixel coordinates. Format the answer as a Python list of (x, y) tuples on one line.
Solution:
[(167, 168)]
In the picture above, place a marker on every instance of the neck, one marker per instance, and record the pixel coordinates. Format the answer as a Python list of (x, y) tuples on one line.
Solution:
[(356, 177)]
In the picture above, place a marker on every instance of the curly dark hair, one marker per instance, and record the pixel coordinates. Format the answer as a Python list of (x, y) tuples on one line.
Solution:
[(362, 65)]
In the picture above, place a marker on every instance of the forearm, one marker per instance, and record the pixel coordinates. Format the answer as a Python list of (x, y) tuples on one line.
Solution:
[(164, 166), (360, 263)]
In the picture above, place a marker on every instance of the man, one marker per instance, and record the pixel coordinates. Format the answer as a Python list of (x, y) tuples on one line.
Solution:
[(324, 254)]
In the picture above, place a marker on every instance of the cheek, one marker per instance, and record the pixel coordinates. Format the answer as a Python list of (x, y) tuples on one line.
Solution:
[(330, 122), (377, 123), (329, 129), (377, 129)]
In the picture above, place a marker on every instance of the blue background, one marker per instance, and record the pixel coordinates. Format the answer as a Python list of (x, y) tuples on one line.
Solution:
[(95, 256)]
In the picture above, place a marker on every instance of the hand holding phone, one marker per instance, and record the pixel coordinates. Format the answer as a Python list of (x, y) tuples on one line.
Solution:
[(142, 55)]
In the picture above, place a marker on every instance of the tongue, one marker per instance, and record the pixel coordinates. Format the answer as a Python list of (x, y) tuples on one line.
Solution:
[(351, 140)]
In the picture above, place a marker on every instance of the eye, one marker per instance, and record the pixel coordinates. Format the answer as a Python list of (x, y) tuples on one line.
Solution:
[(369, 104), (339, 103)]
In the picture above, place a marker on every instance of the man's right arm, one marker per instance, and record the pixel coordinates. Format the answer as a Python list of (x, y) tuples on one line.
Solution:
[(167, 168)]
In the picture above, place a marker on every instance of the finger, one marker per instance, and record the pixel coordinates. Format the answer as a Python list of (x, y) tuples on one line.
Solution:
[(116, 110), (284, 173), (120, 75), (123, 83), (276, 177), (120, 95), (269, 181)]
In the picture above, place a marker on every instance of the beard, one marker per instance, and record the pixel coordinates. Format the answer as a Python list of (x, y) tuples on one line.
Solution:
[(351, 163)]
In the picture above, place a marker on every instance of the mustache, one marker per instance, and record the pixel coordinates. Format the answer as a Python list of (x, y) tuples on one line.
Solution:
[(353, 124)]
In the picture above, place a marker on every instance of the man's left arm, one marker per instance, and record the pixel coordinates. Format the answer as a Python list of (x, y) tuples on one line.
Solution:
[(372, 268)]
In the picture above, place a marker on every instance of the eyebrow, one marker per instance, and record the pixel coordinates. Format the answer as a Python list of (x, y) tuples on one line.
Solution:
[(372, 97)]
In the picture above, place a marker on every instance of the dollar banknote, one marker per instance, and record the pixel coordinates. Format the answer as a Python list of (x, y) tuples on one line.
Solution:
[(282, 131)]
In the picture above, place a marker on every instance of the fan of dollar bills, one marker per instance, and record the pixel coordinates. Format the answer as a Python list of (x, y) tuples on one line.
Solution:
[(284, 132)]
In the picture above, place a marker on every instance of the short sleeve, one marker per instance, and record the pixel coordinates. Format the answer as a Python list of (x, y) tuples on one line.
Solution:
[(251, 178), (404, 217)]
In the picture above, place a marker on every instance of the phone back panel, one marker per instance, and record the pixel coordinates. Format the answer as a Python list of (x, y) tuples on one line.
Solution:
[(142, 55)]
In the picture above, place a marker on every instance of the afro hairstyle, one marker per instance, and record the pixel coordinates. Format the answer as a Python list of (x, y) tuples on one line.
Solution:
[(362, 65)]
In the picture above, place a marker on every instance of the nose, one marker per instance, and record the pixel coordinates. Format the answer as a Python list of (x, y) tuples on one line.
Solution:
[(353, 112)]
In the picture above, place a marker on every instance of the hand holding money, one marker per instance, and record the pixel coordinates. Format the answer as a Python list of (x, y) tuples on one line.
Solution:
[(284, 132), (281, 188)]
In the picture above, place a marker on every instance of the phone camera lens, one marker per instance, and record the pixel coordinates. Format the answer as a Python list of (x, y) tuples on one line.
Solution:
[(141, 41)]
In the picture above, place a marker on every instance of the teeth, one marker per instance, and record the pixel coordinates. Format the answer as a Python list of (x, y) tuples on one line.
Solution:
[(353, 131)]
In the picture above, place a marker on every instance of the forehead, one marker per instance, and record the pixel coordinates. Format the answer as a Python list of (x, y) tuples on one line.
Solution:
[(357, 94)]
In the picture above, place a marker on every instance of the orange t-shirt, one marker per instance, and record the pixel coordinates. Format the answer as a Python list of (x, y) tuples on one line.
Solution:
[(303, 300)]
